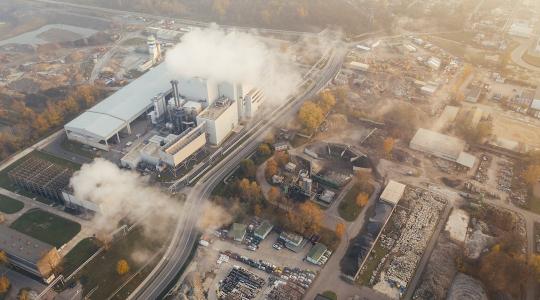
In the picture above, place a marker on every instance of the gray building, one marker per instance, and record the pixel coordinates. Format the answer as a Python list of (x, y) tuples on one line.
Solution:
[(29, 254)]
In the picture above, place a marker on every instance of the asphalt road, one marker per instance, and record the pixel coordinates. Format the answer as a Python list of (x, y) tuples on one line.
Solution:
[(185, 234)]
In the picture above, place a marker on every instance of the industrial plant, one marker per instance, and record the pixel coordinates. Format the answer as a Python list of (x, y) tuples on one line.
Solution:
[(188, 113)]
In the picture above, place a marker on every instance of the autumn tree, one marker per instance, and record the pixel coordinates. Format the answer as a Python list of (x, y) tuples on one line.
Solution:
[(274, 194), (3, 258), (264, 150), (388, 145), (532, 174), (327, 101), (281, 158), (122, 267), (23, 294), (363, 180), (248, 168), (310, 116), (503, 272), (340, 229), (310, 217), (244, 187), (257, 210), (362, 199), (271, 168), (4, 284)]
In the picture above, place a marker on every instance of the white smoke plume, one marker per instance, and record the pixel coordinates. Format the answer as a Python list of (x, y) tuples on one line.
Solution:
[(235, 57), (123, 195)]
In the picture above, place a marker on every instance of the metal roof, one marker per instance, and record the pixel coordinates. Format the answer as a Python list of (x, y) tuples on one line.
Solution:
[(466, 159), (114, 112), (438, 144), (20, 245), (393, 192), (317, 251)]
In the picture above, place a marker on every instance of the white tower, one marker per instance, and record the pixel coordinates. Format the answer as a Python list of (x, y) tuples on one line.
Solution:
[(154, 49)]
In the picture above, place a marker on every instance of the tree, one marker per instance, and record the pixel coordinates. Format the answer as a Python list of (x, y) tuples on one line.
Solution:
[(532, 174), (244, 187), (362, 199), (310, 115), (122, 267), (327, 100), (264, 150), (271, 168), (363, 182), (502, 272), (254, 190), (4, 284), (310, 217), (257, 210), (274, 194), (248, 168), (340, 229), (23, 294), (3, 258), (388, 145), (281, 158)]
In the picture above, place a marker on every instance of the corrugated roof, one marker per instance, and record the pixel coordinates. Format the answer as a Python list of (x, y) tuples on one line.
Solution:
[(393, 192), (435, 142), (536, 104), (125, 105)]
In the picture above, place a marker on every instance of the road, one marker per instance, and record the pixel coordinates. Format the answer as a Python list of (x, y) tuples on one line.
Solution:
[(177, 20), (517, 56), (185, 233)]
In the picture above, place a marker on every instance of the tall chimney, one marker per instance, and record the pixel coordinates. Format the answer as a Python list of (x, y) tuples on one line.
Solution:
[(176, 96)]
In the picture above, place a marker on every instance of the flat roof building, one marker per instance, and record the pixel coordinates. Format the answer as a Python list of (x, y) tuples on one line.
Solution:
[(28, 253), (316, 253), (237, 232), (263, 230), (442, 146), (221, 118), (393, 192)]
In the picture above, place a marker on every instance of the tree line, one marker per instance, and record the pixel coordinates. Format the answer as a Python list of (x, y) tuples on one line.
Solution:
[(29, 124)]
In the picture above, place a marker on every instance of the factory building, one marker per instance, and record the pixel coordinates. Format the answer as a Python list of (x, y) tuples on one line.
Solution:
[(221, 118), (393, 192), (442, 146), (80, 205), (101, 124), (181, 148), (29, 254)]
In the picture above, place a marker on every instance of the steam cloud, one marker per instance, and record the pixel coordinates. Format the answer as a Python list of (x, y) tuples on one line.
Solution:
[(235, 57), (122, 195), (125, 195)]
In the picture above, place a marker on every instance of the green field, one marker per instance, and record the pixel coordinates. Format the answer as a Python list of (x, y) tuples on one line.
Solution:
[(9, 205), (100, 274), (347, 208), (79, 254), (46, 227)]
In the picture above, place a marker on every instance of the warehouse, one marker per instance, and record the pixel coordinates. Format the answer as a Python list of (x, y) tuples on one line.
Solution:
[(442, 146), (316, 254), (99, 124), (28, 254), (181, 148)]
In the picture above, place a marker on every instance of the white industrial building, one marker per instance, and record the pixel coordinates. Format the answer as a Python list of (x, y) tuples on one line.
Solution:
[(78, 204), (442, 146), (181, 148), (220, 118), (520, 29), (393, 192), (357, 66)]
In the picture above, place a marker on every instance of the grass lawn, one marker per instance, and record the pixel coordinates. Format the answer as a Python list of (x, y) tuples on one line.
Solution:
[(348, 209), (372, 262), (454, 48), (9, 205), (80, 253), (100, 274), (330, 295), (46, 227)]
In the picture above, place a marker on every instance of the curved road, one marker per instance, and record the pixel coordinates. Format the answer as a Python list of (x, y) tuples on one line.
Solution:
[(185, 234)]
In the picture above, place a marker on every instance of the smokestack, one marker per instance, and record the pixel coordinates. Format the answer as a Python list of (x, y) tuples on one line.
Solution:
[(176, 96)]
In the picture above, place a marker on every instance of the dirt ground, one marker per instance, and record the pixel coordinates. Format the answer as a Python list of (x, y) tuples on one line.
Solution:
[(511, 129)]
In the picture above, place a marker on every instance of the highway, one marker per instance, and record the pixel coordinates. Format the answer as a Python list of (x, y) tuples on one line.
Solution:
[(185, 234), (177, 20)]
